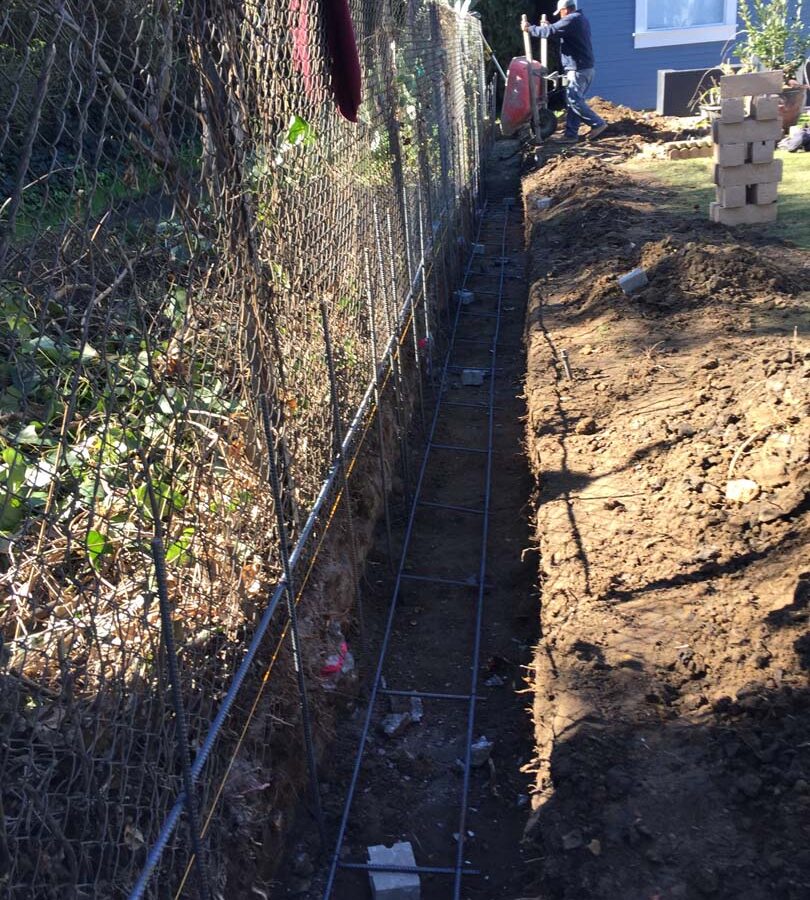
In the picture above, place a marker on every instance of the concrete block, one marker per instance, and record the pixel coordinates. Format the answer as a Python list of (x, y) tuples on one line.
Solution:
[(746, 131), (750, 173), (464, 297), (762, 151), (764, 109), (729, 197), (750, 85), (472, 377), (743, 215), (763, 194), (732, 111), (542, 203), (393, 885), (478, 249), (730, 154), (633, 281)]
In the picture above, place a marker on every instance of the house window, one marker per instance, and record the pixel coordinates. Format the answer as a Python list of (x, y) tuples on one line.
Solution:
[(663, 23)]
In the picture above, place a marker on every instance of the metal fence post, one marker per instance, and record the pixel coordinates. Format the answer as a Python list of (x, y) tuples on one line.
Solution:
[(309, 745)]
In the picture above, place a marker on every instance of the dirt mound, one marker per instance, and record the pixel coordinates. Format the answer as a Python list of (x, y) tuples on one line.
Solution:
[(630, 122), (672, 515), (616, 224), (629, 132)]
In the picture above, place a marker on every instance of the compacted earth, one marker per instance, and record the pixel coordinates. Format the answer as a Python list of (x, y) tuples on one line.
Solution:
[(668, 433)]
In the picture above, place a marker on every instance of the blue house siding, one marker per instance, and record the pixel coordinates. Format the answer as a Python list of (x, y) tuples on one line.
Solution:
[(629, 76)]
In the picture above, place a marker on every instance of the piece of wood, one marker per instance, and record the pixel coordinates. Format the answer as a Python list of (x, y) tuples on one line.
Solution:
[(753, 84)]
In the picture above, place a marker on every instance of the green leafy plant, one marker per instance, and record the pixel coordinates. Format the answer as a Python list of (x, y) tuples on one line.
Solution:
[(773, 36)]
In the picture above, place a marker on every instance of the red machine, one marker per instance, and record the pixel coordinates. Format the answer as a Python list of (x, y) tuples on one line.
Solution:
[(525, 99)]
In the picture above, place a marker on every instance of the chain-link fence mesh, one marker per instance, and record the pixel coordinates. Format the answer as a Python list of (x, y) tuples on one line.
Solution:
[(208, 278)]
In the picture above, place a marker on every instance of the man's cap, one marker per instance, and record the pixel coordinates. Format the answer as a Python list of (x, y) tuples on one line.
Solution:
[(565, 4)]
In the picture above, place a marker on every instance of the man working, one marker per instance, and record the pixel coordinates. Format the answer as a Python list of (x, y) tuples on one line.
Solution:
[(574, 34)]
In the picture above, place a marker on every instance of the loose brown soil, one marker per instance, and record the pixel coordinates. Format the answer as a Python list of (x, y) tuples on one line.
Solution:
[(671, 708)]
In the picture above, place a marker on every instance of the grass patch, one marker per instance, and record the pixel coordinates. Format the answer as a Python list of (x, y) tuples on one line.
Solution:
[(691, 182)]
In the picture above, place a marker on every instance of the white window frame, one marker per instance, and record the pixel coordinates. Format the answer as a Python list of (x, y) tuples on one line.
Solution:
[(699, 34)]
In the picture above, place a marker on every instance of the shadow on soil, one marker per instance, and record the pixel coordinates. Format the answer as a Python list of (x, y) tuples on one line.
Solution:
[(729, 787)]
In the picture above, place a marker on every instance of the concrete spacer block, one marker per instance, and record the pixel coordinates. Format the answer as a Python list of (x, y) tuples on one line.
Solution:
[(465, 297), (746, 131), (743, 215), (765, 108), (542, 203), (751, 85), (763, 194), (729, 154), (750, 173), (633, 281), (729, 197), (393, 885), (732, 111), (472, 377), (762, 151), (478, 249)]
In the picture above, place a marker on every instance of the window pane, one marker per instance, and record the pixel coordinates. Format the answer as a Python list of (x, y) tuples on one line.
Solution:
[(684, 13)]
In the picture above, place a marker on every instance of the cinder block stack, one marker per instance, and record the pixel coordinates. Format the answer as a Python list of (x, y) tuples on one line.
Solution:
[(745, 136)]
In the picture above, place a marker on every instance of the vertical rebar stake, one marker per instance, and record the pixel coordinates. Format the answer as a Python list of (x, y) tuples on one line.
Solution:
[(284, 549), (341, 461), (372, 333), (398, 400), (167, 630)]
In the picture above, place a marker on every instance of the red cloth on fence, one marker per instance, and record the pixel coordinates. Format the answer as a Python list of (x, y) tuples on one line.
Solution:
[(346, 84), (300, 37)]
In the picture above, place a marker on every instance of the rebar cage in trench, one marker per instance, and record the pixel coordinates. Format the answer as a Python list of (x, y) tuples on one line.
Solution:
[(210, 283)]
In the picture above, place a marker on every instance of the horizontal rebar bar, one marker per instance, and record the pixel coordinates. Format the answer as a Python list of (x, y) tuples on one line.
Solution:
[(457, 449), (425, 695), (452, 508), (416, 870), (471, 582)]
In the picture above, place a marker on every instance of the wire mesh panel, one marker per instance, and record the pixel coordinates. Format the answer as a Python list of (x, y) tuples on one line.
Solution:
[(208, 277)]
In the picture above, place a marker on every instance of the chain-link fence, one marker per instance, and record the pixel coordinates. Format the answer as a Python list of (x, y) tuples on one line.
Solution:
[(218, 301)]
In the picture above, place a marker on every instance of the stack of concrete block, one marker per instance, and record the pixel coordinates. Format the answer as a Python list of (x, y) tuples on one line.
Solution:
[(745, 136)]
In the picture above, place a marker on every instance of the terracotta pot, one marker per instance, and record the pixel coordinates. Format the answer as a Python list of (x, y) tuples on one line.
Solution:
[(791, 104)]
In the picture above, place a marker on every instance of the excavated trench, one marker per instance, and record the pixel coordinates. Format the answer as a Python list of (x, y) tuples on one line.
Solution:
[(455, 762)]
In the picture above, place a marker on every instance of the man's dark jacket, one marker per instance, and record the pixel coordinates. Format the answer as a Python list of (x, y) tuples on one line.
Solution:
[(574, 34)]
